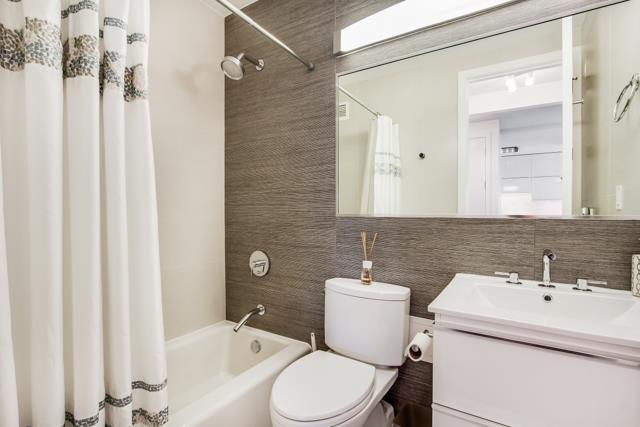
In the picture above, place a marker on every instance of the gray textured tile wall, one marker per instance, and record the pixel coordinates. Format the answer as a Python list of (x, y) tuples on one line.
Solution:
[(280, 186), (280, 175)]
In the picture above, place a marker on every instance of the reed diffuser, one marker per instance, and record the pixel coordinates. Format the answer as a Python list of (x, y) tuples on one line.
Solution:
[(366, 276)]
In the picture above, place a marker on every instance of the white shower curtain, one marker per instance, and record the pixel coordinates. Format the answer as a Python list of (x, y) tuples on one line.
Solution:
[(8, 405), (382, 181), (80, 217)]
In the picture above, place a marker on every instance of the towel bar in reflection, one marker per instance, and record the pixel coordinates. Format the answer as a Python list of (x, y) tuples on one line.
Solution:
[(628, 91)]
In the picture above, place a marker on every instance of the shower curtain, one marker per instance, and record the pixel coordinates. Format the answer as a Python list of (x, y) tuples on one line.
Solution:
[(85, 340), (382, 181)]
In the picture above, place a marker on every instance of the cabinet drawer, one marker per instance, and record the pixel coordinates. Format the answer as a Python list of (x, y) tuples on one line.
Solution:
[(516, 185), (523, 385), (447, 417), (547, 188), (515, 166), (548, 164)]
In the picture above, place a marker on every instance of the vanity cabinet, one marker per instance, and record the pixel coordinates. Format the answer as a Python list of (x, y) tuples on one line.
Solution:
[(546, 164), (515, 167), (538, 174), (481, 380)]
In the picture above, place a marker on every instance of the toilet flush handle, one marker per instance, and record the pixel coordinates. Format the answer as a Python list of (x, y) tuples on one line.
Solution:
[(314, 347)]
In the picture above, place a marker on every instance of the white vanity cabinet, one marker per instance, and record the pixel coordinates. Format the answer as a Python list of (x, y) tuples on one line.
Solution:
[(521, 355), (499, 382), (538, 174)]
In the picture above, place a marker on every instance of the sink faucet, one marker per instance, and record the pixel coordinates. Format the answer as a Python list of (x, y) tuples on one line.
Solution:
[(260, 309), (547, 257)]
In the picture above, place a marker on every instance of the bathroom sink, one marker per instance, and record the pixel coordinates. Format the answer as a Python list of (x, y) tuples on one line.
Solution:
[(603, 322)]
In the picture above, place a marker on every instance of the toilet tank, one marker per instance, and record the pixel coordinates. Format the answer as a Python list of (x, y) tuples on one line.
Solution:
[(369, 323)]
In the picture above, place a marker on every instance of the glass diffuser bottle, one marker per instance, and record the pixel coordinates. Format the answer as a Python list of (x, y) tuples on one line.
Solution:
[(366, 276)]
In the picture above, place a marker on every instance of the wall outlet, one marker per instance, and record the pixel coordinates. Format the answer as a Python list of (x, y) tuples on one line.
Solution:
[(619, 197)]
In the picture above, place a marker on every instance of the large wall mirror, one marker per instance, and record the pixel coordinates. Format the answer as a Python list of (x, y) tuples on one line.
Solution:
[(520, 123)]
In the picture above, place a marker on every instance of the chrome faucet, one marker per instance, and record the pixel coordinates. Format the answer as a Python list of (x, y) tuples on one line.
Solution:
[(547, 257), (260, 309)]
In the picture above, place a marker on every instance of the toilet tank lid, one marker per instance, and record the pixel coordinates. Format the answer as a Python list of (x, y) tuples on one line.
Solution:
[(376, 290)]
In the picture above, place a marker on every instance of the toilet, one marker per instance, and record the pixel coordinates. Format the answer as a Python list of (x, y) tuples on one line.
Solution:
[(367, 330)]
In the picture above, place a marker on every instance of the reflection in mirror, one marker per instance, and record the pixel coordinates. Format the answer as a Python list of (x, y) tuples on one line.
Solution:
[(516, 124)]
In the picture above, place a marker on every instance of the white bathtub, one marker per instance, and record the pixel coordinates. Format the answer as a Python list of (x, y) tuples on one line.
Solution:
[(215, 379)]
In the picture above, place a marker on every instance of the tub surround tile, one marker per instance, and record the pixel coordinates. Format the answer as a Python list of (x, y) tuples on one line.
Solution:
[(280, 175), (187, 125), (193, 300)]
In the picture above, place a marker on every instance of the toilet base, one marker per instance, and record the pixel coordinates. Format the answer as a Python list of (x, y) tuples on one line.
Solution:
[(382, 416)]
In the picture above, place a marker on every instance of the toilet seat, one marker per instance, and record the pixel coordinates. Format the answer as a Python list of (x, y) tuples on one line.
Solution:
[(322, 389)]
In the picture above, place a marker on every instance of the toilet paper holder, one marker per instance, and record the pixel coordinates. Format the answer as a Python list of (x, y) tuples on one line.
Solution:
[(420, 348), (420, 336)]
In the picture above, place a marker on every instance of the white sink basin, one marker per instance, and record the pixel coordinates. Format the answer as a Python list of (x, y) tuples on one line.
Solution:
[(602, 322)]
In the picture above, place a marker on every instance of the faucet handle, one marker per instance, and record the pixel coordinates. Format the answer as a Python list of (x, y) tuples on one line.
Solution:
[(583, 284), (513, 277)]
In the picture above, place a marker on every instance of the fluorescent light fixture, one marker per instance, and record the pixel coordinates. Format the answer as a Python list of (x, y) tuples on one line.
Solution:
[(512, 86), (508, 150), (406, 17), (529, 80)]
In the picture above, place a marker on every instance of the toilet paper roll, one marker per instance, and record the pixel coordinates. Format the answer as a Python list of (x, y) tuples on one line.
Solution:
[(420, 348)]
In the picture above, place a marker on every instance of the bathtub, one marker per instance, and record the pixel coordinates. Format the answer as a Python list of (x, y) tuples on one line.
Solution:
[(216, 377)]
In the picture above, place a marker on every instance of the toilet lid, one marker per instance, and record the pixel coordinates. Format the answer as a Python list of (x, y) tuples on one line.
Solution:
[(321, 385)]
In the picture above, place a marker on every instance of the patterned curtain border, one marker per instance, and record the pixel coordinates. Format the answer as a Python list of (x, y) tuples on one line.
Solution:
[(39, 42), (77, 7), (139, 415)]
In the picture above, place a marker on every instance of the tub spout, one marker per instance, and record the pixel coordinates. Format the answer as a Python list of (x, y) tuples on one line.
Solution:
[(260, 309)]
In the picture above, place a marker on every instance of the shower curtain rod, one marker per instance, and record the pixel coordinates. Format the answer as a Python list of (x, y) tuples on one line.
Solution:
[(350, 95), (239, 13)]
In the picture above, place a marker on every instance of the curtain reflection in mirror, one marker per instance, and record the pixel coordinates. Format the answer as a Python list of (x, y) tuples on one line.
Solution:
[(382, 181)]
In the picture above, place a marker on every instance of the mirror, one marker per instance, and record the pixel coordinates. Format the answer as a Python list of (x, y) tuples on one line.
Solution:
[(521, 123)]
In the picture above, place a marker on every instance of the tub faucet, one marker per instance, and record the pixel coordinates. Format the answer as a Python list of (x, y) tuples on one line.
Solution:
[(260, 309), (547, 257)]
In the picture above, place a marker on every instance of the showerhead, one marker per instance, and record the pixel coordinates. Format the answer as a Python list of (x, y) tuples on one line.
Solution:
[(233, 67)]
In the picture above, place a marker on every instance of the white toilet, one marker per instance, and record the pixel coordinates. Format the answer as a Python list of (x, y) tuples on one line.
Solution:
[(367, 329)]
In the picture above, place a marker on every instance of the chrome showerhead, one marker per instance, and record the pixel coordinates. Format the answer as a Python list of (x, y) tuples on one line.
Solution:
[(233, 67)]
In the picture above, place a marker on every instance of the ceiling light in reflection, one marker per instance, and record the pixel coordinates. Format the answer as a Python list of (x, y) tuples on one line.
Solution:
[(512, 86), (529, 80)]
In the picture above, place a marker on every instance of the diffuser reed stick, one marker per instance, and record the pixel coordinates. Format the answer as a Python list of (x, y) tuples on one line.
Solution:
[(367, 250), (375, 236), (363, 236), (366, 277)]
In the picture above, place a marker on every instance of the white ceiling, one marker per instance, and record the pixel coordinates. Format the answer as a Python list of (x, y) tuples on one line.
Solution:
[(213, 4), (542, 76)]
